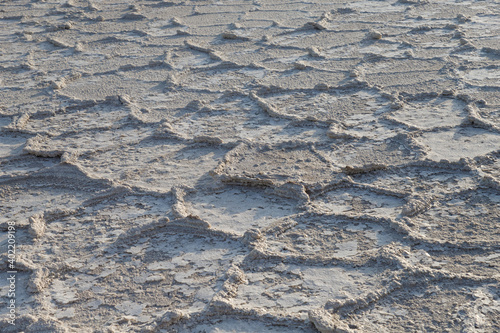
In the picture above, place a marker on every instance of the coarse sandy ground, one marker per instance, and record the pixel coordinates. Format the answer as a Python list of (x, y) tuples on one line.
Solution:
[(251, 166)]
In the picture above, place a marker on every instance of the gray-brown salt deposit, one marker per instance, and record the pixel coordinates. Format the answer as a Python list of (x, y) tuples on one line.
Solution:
[(251, 166)]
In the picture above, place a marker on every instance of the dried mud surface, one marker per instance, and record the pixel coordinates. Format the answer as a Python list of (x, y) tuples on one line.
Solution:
[(251, 166)]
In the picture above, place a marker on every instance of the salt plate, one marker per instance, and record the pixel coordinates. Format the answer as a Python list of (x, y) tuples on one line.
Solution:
[(251, 208), (431, 113), (61, 293), (458, 143), (299, 287)]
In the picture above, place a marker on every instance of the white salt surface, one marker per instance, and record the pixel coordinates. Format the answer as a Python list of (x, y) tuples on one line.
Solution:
[(250, 166)]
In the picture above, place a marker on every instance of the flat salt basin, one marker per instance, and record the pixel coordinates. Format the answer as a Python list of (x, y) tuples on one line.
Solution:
[(239, 209), (457, 143), (294, 285), (485, 76), (428, 114), (244, 325)]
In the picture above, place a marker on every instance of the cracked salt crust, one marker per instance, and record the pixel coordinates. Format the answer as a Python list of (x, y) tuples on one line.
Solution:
[(254, 167)]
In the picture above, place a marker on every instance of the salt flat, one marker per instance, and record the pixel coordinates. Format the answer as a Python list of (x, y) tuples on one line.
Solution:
[(250, 166)]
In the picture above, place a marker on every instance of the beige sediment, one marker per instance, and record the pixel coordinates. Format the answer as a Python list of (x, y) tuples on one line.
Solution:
[(147, 59)]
